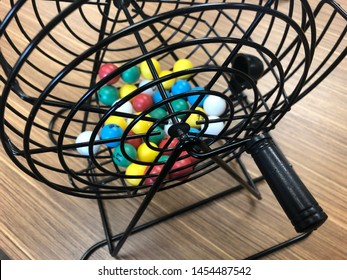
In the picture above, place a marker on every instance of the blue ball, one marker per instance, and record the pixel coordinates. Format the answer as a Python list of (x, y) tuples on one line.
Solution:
[(181, 86), (193, 98), (157, 96), (111, 131), (193, 131)]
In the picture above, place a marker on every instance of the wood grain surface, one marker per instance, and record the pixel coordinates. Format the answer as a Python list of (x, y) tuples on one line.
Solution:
[(37, 222)]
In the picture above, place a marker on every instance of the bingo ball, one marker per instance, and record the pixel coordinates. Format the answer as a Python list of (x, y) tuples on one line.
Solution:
[(107, 95), (131, 75), (105, 70), (213, 128), (135, 141), (157, 96), (181, 86), (181, 169), (193, 98), (163, 158), (125, 108), (142, 102), (111, 131), (150, 91), (158, 113), (120, 159), (146, 71), (135, 169), (214, 105), (167, 127), (126, 90), (141, 127), (85, 137), (194, 118), (179, 105), (168, 147), (153, 174), (185, 155), (117, 120), (181, 65), (168, 83), (145, 153), (193, 131), (157, 138)]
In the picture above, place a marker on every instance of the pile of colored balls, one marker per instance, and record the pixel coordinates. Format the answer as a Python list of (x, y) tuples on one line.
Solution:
[(143, 143)]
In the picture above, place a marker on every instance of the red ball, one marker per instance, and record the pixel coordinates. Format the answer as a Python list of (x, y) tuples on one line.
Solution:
[(105, 70), (136, 142), (185, 154), (155, 171), (142, 102), (179, 172), (171, 146)]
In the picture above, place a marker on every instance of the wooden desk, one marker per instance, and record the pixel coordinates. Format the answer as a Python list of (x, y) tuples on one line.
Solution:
[(37, 222)]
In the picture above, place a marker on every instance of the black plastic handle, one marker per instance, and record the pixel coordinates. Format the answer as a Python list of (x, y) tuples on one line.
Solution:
[(296, 200)]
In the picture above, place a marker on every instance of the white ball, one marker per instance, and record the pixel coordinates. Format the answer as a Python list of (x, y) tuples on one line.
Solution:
[(127, 107), (167, 126), (85, 136), (149, 91), (213, 128), (214, 105)]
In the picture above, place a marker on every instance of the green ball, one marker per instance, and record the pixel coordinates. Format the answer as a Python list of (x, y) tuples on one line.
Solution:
[(108, 95), (158, 113), (131, 75), (120, 159), (163, 158), (179, 105), (157, 138)]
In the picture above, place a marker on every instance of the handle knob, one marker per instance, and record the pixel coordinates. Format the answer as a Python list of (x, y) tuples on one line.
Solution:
[(297, 202)]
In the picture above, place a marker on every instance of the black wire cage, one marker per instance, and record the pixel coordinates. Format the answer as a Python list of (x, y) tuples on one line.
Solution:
[(119, 99)]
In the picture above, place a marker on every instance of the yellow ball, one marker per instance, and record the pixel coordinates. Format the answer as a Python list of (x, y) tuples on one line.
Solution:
[(126, 90), (135, 169), (145, 153), (183, 64), (194, 118), (142, 126), (145, 70), (169, 83), (118, 121)]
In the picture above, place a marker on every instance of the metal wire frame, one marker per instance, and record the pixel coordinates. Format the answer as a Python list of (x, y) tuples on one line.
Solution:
[(251, 109), (261, 115)]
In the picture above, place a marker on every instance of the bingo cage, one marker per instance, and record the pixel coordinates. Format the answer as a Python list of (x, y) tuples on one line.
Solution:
[(128, 98)]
